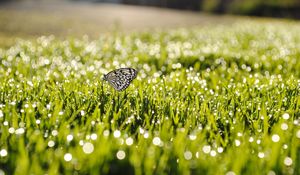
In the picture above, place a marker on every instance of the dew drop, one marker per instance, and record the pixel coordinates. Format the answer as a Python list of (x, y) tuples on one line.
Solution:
[(54, 133), (286, 116), (284, 126), (213, 153), (51, 143), (298, 134), (188, 155), (94, 136), (121, 154), (220, 149), (288, 161), (230, 173), (70, 137), (11, 130), (146, 135), (206, 149), (192, 137), (1, 114), (88, 148), (141, 130), (261, 155), (129, 141), (197, 154), (68, 157), (156, 141), (20, 131), (3, 153), (237, 143), (271, 173), (81, 142), (38, 121), (106, 133), (275, 138), (258, 141), (117, 133)]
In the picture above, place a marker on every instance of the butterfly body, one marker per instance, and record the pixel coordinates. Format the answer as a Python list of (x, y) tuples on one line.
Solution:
[(121, 78)]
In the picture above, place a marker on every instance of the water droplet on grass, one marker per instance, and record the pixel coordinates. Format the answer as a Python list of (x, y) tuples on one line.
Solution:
[(258, 141), (38, 121), (156, 141), (81, 142), (298, 134), (275, 138), (197, 154), (121, 154), (288, 161), (271, 173), (206, 149), (284, 126), (129, 141), (3, 153), (213, 153), (141, 130), (106, 133), (230, 173), (286, 116), (20, 131), (68, 157), (94, 136), (220, 149), (261, 155), (146, 135), (88, 148), (54, 133), (237, 143), (69, 137), (11, 130), (117, 133), (5, 123), (192, 137), (51, 143), (188, 155)]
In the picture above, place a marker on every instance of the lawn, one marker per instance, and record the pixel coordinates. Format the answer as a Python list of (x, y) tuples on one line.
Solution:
[(220, 99)]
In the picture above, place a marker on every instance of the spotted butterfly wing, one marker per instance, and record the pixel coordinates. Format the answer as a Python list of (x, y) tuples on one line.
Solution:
[(121, 78)]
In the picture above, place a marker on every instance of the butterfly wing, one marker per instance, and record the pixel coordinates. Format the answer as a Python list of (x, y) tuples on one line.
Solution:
[(121, 78)]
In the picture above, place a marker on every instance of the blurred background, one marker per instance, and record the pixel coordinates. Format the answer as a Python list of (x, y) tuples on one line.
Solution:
[(75, 18), (271, 8)]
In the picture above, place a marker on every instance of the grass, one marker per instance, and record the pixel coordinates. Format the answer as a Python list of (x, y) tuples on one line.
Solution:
[(211, 100)]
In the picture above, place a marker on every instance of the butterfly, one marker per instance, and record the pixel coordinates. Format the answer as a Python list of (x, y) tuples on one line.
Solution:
[(121, 78)]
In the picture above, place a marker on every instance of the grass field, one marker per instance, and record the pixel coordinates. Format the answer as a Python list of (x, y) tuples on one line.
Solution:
[(212, 100)]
